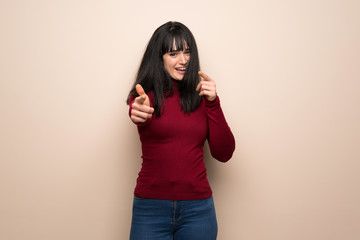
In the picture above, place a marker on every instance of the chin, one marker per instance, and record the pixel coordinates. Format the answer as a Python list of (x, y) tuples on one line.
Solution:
[(179, 78)]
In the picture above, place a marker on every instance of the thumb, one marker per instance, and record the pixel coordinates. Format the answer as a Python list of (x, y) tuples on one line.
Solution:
[(143, 98)]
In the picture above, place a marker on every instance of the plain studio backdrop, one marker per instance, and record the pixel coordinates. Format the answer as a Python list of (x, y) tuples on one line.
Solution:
[(288, 76)]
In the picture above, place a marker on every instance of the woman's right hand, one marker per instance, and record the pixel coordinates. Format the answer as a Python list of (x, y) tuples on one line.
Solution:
[(140, 109)]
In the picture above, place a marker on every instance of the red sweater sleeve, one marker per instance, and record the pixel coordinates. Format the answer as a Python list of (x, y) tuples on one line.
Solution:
[(220, 138)]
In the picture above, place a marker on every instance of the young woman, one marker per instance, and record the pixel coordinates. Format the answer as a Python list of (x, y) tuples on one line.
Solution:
[(176, 109)]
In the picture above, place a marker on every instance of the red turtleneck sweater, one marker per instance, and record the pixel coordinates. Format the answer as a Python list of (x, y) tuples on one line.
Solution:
[(172, 149)]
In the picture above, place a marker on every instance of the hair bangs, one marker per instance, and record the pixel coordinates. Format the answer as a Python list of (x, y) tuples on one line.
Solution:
[(176, 42)]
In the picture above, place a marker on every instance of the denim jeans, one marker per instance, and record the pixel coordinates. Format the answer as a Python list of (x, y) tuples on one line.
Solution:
[(156, 219)]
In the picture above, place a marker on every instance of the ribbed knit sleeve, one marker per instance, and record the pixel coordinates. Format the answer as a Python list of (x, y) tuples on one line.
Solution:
[(220, 138)]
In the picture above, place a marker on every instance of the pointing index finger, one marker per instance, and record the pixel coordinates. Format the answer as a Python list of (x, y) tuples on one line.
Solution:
[(203, 75)]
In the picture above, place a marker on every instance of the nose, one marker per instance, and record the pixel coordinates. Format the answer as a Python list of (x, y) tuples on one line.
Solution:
[(183, 58)]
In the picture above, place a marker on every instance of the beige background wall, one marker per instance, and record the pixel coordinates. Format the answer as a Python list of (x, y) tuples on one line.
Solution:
[(288, 76)]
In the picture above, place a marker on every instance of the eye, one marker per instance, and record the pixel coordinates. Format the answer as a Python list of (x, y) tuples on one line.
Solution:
[(172, 54), (187, 51)]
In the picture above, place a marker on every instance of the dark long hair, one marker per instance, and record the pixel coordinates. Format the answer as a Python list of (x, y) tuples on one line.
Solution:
[(152, 75)]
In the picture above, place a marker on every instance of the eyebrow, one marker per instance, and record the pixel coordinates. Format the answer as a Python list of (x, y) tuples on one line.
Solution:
[(187, 49)]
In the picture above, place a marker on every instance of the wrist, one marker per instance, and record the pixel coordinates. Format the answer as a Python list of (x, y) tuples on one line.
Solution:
[(211, 98)]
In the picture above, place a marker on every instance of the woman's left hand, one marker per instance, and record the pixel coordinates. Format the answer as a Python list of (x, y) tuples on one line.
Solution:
[(207, 87)]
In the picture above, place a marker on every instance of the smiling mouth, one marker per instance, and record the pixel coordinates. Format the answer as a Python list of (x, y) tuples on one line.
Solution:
[(182, 69)]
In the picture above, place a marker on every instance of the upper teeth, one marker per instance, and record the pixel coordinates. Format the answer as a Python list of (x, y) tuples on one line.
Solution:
[(183, 69)]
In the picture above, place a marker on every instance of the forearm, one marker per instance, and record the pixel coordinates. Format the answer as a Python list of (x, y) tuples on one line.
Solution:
[(221, 140)]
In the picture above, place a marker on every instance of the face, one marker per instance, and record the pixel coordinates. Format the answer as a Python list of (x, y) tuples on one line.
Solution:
[(175, 63)]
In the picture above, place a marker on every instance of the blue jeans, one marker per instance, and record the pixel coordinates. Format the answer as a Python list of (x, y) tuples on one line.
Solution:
[(156, 219)]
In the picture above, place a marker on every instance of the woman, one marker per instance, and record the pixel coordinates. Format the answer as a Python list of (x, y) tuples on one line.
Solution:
[(175, 111)]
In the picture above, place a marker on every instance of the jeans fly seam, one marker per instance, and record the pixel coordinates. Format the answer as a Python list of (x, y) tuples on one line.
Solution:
[(177, 216), (174, 211)]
